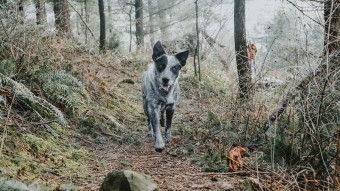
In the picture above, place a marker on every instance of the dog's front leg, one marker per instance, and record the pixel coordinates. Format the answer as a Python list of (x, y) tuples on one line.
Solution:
[(169, 114), (154, 121)]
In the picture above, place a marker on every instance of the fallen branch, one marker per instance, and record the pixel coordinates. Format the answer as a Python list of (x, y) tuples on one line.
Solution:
[(322, 72)]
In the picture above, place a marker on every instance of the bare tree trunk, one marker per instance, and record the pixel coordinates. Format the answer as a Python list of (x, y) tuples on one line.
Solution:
[(62, 18), (86, 19), (197, 52), (243, 66), (109, 20), (40, 12), (130, 28), (162, 19), (336, 178), (151, 8), (332, 26), (102, 26), (139, 24)]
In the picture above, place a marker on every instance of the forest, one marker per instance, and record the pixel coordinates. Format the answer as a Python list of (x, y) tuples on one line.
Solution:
[(259, 104)]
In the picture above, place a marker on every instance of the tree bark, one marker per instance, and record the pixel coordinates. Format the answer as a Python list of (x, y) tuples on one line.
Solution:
[(102, 26), (40, 12), (62, 18), (332, 26), (139, 24), (243, 66), (197, 52)]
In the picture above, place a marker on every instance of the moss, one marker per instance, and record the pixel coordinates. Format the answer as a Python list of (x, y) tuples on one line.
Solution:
[(37, 145)]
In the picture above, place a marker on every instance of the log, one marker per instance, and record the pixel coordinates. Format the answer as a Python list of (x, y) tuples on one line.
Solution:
[(24, 96)]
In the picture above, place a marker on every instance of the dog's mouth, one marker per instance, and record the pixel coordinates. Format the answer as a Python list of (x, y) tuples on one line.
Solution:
[(165, 87)]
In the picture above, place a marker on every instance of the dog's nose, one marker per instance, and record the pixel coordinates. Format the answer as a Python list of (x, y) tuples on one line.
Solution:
[(165, 80)]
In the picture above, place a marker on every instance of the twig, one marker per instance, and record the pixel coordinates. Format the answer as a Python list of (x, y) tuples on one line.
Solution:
[(82, 19), (216, 173), (304, 13)]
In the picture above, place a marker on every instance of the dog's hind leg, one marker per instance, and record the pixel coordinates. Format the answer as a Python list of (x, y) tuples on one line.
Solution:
[(162, 121), (169, 114)]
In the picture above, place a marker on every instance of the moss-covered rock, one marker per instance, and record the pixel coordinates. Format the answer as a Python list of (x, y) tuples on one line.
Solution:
[(127, 180)]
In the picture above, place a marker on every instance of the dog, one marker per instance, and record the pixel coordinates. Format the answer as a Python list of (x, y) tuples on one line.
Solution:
[(160, 90)]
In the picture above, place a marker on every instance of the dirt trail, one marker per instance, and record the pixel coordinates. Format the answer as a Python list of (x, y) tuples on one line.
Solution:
[(170, 172)]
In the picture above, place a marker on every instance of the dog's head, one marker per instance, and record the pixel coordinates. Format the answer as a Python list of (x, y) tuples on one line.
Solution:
[(167, 67)]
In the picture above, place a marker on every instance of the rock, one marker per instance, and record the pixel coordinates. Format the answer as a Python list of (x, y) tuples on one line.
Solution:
[(128, 180), (227, 186)]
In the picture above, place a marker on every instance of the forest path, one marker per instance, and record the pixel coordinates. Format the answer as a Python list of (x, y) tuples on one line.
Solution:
[(136, 152)]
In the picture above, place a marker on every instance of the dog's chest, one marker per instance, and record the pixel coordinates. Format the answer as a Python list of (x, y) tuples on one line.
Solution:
[(169, 98)]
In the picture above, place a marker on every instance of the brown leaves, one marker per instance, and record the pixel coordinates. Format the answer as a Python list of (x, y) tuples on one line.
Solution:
[(234, 158)]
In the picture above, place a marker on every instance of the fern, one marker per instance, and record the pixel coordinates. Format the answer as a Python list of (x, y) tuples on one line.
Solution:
[(24, 96), (63, 89)]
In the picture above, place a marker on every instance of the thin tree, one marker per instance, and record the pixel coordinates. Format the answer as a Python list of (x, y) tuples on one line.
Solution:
[(197, 51), (162, 19), (62, 17), (40, 12), (151, 21), (102, 26), (139, 24), (332, 23), (243, 66)]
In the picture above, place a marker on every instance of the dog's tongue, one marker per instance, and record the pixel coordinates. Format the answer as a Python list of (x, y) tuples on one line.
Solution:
[(165, 87)]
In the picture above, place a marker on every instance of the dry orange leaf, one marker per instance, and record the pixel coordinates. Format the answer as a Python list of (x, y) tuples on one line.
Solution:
[(234, 157)]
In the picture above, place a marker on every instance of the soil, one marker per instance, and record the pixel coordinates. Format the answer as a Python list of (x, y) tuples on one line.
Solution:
[(170, 171)]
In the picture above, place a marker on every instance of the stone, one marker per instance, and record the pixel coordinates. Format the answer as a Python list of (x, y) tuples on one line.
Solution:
[(128, 180)]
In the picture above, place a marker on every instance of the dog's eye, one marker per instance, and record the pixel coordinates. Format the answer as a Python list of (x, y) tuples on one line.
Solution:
[(161, 66), (176, 68)]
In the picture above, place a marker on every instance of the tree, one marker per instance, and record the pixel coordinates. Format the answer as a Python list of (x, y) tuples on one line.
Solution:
[(139, 24), (40, 11), (151, 21), (62, 17), (102, 26), (162, 18), (332, 26), (197, 50), (243, 66)]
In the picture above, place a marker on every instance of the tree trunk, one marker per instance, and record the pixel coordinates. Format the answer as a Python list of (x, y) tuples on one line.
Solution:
[(62, 18), (139, 24), (86, 19), (243, 66), (197, 52), (162, 19), (102, 26), (332, 26), (40, 12), (151, 8), (109, 21)]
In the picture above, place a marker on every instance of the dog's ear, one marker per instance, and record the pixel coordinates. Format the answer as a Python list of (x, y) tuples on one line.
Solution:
[(182, 57), (157, 51)]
